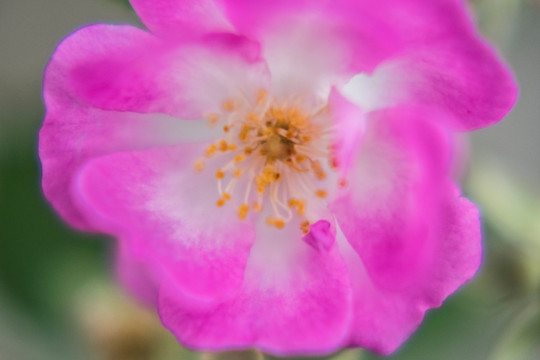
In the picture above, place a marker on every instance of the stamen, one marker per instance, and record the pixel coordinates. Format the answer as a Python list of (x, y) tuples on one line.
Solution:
[(281, 147)]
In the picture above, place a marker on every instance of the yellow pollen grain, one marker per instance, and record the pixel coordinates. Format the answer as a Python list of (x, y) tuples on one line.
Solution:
[(321, 175), (229, 105), (277, 223), (256, 207), (239, 158), (211, 150), (199, 165), (226, 196), (220, 203), (213, 118), (223, 146), (321, 193), (292, 202), (226, 128), (261, 97), (280, 224), (220, 174), (252, 117), (237, 173), (242, 211), (244, 132)]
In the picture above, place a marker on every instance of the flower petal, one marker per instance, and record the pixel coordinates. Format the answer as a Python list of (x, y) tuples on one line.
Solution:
[(126, 69), (413, 241), (104, 84), (310, 45), (294, 300), (166, 212), (384, 317), (444, 62), (181, 19)]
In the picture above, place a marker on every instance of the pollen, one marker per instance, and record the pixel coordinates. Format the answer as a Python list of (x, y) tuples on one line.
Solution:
[(220, 174), (271, 155), (199, 165), (242, 211)]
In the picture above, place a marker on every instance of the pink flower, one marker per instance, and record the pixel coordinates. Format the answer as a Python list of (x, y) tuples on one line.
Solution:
[(276, 172)]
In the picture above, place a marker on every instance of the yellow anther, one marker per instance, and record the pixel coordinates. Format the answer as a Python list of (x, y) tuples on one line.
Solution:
[(248, 150), (220, 174), (256, 207), (305, 138), (237, 173), (292, 202), (321, 175), (244, 133), (261, 97), (304, 226), (239, 158), (199, 165), (232, 147), (242, 211), (220, 202), (211, 150), (229, 105), (253, 118), (226, 196), (226, 128), (223, 146), (213, 118), (278, 223), (321, 193)]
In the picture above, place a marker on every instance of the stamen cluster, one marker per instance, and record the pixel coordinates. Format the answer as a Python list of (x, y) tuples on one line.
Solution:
[(272, 150)]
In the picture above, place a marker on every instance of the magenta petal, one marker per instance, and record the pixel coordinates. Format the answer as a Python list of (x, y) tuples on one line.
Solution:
[(166, 212), (294, 300), (385, 316), (321, 236), (444, 62), (181, 18), (413, 241), (122, 68)]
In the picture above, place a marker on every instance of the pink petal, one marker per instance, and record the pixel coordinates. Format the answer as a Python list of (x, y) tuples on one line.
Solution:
[(294, 300), (181, 19), (412, 240), (167, 214), (385, 316), (126, 69), (444, 62), (101, 75), (310, 45), (349, 124)]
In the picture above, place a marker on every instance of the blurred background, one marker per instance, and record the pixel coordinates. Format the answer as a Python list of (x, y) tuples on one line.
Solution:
[(58, 297)]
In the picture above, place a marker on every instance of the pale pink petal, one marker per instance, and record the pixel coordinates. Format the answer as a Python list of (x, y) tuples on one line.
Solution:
[(348, 123), (182, 18), (166, 212), (310, 45), (443, 62), (294, 300)]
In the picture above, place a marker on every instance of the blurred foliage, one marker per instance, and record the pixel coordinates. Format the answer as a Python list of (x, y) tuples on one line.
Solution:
[(58, 299)]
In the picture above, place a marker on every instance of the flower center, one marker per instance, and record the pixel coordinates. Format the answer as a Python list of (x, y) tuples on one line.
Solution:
[(273, 157)]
